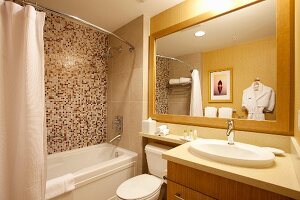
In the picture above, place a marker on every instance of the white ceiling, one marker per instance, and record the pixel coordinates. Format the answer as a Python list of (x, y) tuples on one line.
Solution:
[(251, 23), (109, 14)]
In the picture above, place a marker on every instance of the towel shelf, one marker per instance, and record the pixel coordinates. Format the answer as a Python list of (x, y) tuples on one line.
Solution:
[(181, 85)]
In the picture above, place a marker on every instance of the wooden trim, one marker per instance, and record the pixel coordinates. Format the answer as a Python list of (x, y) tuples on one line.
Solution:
[(188, 14), (152, 75), (285, 41)]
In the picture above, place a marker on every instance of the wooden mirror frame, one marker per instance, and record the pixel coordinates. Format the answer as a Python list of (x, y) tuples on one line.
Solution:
[(285, 79)]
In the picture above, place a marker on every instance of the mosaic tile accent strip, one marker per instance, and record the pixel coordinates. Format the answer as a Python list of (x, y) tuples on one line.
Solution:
[(162, 81), (76, 84)]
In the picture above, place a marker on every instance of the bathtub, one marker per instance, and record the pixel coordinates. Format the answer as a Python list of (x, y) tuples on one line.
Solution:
[(98, 170)]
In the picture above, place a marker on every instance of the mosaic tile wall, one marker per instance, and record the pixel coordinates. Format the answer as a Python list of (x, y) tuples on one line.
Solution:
[(162, 81), (76, 85)]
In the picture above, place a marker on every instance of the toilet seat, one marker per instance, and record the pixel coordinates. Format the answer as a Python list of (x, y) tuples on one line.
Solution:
[(139, 187)]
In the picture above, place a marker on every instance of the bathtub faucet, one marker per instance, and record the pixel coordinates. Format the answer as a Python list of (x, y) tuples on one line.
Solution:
[(117, 137)]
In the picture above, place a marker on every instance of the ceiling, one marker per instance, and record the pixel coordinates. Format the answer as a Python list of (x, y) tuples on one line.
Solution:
[(251, 23), (109, 14)]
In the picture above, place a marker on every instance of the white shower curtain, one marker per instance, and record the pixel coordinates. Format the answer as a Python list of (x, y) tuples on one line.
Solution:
[(196, 109), (22, 146)]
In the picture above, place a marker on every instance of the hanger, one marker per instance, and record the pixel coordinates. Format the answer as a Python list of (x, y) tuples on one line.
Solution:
[(256, 84)]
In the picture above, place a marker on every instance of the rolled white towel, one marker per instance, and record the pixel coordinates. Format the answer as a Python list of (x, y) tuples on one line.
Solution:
[(184, 80), (174, 81), (60, 185), (225, 112), (210, 112), (162, 130)]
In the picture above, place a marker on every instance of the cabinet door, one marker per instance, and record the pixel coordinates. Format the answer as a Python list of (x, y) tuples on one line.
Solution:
[(179, 192)]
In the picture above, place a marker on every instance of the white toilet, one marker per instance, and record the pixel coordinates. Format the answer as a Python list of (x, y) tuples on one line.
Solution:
[(145, 186)]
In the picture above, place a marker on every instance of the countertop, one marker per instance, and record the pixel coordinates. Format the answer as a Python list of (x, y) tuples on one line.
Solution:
[(280, 178), (167, 138)]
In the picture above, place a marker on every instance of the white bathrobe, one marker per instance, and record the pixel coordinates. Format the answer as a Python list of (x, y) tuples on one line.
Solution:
[(258, 101)]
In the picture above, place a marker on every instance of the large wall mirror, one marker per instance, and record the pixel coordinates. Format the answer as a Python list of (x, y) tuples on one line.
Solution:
[(235, 65)]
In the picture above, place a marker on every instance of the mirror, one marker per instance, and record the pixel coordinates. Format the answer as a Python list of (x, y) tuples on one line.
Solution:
[(225, 67), (231, 57)]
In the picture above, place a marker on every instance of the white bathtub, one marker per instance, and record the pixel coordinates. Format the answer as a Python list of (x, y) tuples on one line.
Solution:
[(98, 170)]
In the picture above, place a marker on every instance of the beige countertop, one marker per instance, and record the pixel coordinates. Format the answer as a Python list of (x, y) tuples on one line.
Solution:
[(168, 138), (280, 178)]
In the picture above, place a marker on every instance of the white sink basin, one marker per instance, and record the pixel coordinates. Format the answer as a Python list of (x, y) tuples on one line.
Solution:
[(240, 154)]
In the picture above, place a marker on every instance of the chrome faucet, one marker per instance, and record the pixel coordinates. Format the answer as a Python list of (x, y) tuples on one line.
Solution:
[(116, 137), (230, 132)]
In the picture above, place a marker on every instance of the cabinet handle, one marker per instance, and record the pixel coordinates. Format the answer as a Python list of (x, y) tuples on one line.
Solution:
[(178, 196)]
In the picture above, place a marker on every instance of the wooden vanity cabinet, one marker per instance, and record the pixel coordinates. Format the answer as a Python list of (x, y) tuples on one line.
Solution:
[(185, 183), (180, 192)]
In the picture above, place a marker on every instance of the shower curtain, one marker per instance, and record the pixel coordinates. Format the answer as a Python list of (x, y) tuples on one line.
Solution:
[(22, 132), (196, 109)]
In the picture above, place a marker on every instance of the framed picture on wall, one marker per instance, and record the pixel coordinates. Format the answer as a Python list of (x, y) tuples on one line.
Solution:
[(220, 86)]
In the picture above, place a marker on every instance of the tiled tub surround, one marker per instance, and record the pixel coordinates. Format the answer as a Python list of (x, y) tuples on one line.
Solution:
[(127, 82), (76, 85), (162, 81)]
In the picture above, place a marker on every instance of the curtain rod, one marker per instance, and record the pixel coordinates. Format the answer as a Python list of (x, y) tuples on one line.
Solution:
[(131, 47), (175, 59)]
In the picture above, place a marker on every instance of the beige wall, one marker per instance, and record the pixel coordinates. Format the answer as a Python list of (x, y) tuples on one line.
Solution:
[(125, 86), (297, 68), (249, 60)]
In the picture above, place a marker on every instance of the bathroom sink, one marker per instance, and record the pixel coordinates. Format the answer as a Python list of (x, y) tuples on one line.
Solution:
[(239, 154)]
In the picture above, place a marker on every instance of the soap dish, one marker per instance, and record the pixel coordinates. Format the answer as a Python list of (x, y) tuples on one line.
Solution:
[(277, 152)]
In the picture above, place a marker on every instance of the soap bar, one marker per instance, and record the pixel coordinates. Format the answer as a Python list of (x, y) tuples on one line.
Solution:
[(149, 126)]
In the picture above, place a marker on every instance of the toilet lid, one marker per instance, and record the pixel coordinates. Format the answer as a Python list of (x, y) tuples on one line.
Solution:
[(139, 187)]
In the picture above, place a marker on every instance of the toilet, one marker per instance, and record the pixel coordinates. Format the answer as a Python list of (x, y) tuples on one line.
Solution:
[(146, 186)]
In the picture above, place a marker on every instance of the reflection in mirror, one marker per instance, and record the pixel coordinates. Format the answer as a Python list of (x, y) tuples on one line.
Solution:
[(227, 70)]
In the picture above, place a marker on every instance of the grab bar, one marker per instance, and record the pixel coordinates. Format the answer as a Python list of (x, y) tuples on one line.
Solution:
[(116, 137)]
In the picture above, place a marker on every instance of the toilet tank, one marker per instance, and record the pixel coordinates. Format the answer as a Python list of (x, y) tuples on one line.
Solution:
[(156, 165)]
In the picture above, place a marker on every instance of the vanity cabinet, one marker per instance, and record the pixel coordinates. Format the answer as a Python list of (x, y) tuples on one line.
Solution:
[(192, 184), (179, 192)]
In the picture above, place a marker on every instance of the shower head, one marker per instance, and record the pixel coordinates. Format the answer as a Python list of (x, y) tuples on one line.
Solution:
[(107, 54)]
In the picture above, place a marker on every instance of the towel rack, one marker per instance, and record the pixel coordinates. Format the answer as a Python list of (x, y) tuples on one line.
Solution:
[(179, 89), (179, 84)]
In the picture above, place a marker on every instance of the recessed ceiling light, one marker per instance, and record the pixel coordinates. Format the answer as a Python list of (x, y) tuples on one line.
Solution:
[(199, 33)]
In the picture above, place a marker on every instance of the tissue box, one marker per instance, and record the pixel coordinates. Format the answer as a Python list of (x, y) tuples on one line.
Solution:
[(149, 126)]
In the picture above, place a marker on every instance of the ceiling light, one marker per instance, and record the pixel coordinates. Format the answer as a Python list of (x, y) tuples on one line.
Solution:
[(199, 33)]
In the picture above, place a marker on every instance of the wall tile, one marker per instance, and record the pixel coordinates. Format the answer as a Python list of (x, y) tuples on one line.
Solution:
[(136, 85), (126, 87), (120, 86), (76, 84), (162, 83)]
